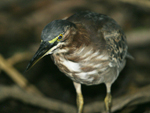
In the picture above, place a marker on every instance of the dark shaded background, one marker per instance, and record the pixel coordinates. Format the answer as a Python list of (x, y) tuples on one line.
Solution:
[(21, 23)]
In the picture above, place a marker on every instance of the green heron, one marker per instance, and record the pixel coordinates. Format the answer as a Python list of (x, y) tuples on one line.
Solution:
[(88, 47)]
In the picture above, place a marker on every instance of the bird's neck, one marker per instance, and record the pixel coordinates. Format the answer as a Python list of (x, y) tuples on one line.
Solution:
[(76, 40)]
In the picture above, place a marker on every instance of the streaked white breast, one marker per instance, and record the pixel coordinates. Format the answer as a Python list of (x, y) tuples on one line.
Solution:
[(75, 67)]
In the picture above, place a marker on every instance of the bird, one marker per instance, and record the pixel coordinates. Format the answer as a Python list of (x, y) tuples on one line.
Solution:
[(88, 47)]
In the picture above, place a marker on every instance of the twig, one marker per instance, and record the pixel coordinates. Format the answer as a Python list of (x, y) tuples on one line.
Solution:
[(142, 95), (143, 3), (18, 57), (49, 12), (138, 37), (17, 77), (40, 101), (139, 97)]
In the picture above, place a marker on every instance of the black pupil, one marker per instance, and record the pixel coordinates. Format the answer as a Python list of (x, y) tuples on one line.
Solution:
[(59, 37)]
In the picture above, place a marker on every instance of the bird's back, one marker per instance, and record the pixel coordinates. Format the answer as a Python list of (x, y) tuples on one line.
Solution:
[(103, 31)]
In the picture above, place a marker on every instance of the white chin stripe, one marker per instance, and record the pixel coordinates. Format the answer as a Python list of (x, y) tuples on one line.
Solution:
[(53, 48), (48, 52)]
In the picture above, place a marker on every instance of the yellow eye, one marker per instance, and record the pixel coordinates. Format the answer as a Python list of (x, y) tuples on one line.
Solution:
[(59, 37)]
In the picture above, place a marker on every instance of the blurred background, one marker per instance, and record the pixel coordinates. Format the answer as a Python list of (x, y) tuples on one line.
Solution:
[(21, 23)]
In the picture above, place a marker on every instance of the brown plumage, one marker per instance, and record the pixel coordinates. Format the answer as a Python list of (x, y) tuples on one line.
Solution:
[(92, 50), (103, 38)]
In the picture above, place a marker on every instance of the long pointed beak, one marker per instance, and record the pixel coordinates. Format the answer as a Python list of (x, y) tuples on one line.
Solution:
[(41, 52)]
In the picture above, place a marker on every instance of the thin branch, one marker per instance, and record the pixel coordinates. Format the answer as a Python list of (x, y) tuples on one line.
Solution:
[(138, 37), (18, 57), (49, 12), (17, 77), (142, 3), (40, 101), (142, 95)]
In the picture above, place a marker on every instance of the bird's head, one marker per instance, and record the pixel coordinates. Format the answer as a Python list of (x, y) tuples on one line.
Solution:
[(53, 35)]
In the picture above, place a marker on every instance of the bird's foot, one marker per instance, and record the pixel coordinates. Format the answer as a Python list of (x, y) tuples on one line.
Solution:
[(108, 101)]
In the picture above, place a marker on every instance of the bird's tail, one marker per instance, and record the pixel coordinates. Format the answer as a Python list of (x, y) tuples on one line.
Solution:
[(129, 56)]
